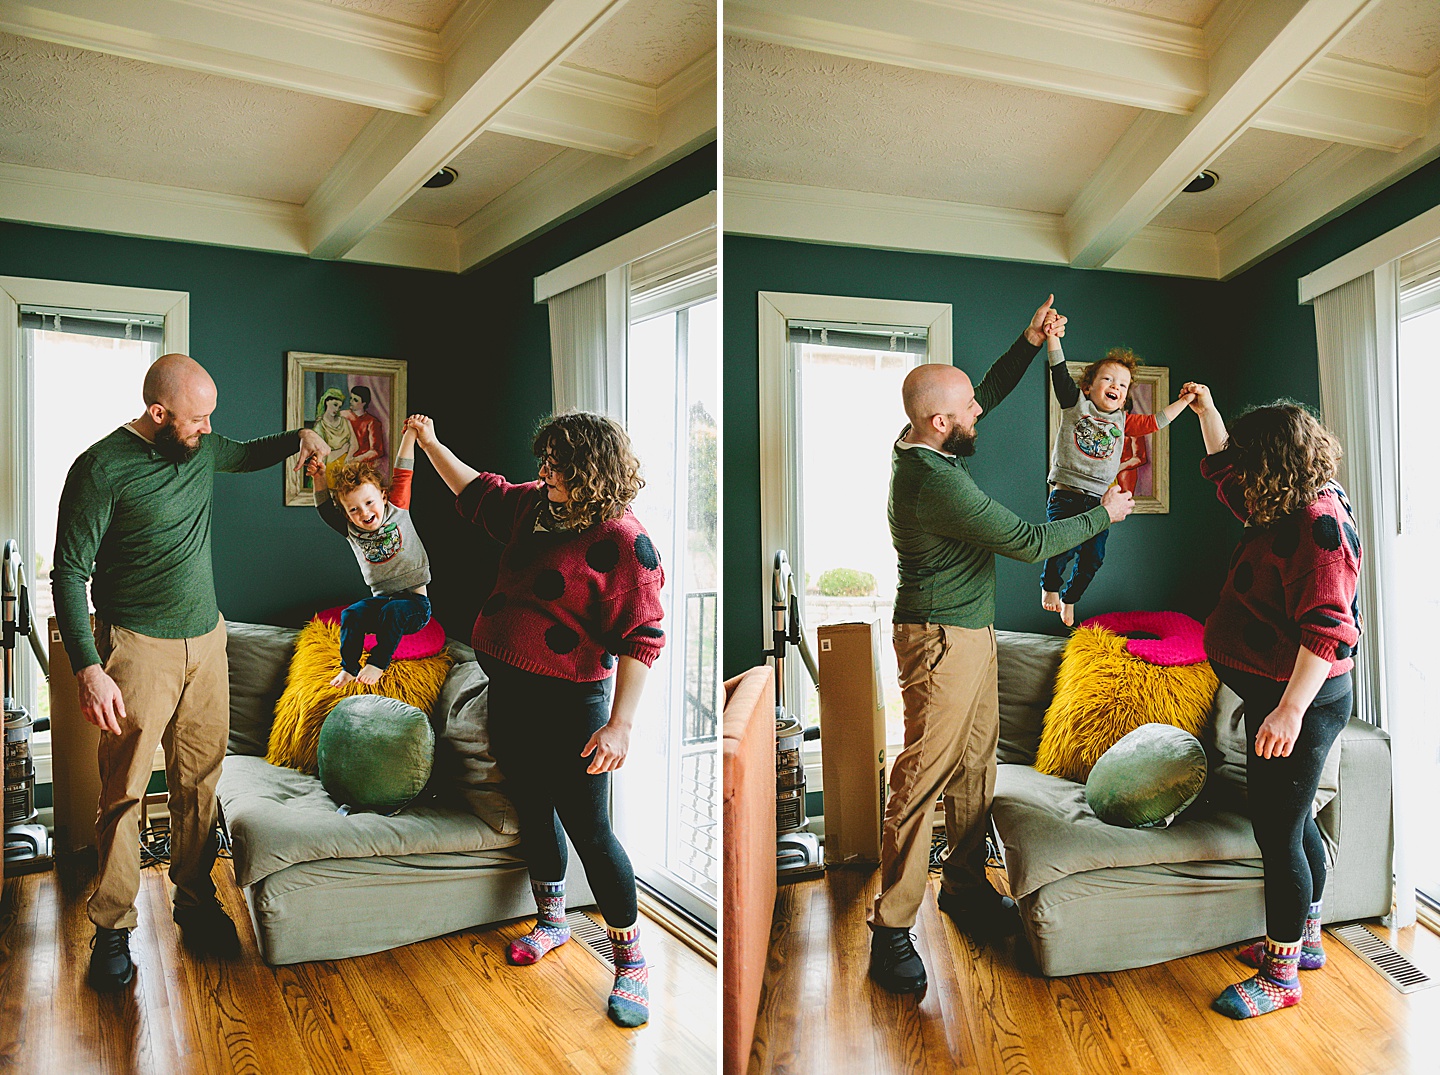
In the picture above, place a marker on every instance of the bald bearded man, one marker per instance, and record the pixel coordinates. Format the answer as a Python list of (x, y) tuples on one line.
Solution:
[(135, 519), (946, 532)]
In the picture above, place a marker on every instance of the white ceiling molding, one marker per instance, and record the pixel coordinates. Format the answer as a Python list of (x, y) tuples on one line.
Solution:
[(508, 47), (125, 207), (1339, 179), (674, 227), (884, 221), (1339, 100), (1269, 47), (314, 48), (1106, 54), (575, 181), (584, 110), (1414, 234)]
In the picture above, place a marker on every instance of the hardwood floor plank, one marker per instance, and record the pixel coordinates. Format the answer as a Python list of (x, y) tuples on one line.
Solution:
[(448, 1006), (988, 1011)]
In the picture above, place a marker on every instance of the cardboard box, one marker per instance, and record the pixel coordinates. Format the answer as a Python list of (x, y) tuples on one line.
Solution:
[(852, 741), (74, 754)]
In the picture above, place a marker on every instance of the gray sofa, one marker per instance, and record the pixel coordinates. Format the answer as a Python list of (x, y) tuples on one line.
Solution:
[(320, 885), (1094, 897)]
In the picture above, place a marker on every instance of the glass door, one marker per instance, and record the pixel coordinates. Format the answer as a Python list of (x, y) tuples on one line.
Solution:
[(667, 797)]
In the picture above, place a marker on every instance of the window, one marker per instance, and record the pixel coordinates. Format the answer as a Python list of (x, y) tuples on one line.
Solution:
[(72, 360)]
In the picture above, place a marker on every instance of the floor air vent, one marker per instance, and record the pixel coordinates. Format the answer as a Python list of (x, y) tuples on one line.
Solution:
[(592, 935), (1393, 967)]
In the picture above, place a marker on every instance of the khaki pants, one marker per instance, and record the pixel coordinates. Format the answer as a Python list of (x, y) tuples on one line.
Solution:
[(176, 692), (952, 724)]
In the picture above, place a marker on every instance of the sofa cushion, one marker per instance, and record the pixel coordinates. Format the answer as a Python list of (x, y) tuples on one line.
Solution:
[(259, 658), (1050, 832), (279, 817), (1102, 693), (463, 761), (1028, 664)]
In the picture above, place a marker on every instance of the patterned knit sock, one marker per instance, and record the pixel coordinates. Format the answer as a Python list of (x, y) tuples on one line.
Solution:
[(1276, 986), (1312, 955), (551, 929), (630, 996)]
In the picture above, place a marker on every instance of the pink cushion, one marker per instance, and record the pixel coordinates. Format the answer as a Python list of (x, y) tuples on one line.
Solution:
[(1181, 640), (426, 642)]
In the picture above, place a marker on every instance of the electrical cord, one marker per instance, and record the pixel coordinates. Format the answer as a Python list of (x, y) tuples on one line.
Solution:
[(155, 844)]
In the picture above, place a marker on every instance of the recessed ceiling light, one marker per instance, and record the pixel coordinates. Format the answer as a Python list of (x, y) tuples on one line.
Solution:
[(1204, 181), (443, 178)]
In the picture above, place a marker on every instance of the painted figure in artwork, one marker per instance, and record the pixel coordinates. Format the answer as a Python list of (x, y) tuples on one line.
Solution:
[(333, 428), (369, 433)]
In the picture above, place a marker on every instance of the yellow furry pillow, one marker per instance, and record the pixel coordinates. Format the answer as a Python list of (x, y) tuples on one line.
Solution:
[(1102, 693), (308, 696)]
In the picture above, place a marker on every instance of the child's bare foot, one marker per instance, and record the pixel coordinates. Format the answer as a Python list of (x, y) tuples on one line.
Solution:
[(1050, 602), (342, 677), (370, 674), (1067, 617)]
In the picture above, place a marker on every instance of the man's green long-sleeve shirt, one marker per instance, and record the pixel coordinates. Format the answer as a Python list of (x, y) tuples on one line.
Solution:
[(947, 530), (140, 525)]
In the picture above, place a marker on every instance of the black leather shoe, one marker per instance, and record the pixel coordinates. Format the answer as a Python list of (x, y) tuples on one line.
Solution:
[(894, 963), (982, 913), (111, 967), (207, 930)]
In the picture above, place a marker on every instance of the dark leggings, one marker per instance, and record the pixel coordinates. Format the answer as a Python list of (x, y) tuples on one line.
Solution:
[(538, 726), (1089, 556), (1282, 794), (389, 617)]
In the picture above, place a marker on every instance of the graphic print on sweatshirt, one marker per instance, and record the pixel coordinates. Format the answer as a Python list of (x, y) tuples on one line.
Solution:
[(383, 545), (1096, 437)]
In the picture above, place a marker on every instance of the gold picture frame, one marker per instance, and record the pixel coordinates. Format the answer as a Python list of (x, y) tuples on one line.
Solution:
[(366, 423), (1149, 393)]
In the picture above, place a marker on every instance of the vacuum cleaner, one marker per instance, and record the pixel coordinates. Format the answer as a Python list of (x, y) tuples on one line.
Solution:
[(798, 854), (27, 843)]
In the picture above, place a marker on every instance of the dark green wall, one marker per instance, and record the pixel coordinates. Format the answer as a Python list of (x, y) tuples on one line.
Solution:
[(477, 345), (1156, 561), (1274, 336)]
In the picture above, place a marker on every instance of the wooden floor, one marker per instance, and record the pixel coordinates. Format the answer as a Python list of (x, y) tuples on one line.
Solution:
[(984, 1013), (448, 1005)]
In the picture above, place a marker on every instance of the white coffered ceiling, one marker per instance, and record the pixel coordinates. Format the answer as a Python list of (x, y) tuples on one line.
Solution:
[(1063, 130), (309, 126)]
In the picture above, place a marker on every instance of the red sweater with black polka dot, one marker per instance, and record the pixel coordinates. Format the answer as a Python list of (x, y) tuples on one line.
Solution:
[(1290, 584), (566, 602)]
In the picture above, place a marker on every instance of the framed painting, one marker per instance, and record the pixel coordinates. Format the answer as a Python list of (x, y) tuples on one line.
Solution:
[(1145, 461), (356, 404)]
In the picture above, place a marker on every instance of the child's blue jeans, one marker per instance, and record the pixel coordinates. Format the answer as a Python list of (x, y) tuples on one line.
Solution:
[(1066, 504), (387, 616)]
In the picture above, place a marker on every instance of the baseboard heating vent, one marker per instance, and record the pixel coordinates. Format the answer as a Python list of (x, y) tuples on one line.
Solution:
[(592, 935), (1393, 967)]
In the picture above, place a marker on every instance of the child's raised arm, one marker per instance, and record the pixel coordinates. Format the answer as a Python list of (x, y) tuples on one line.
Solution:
[(1172, 410), (405, 453), (1067, 392), (452, 471)]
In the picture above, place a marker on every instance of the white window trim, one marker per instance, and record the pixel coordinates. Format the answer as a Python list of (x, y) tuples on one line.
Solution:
[(15, 291), (1410, 238), (674, 227), (779, 448)]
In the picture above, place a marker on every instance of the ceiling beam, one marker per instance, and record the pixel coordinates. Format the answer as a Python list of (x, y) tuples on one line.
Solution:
[(584, 110), (1267, 50), (508, 47), (1343, 101), (1337, 180), (1106, 54), (574, 181), (318, 49)]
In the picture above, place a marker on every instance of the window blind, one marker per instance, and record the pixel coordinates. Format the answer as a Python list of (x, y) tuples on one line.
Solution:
[(93, 323), (903, 339)]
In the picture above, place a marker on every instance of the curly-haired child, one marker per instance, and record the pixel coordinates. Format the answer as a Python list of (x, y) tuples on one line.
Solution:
[(373, 516), (1094, 425)]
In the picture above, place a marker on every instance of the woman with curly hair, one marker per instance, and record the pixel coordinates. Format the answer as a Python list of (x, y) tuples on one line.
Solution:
[(1283, 637), (574, 618)]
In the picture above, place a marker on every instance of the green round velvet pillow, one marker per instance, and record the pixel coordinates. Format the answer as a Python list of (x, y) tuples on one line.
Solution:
[(1147, 777), (375, 753)]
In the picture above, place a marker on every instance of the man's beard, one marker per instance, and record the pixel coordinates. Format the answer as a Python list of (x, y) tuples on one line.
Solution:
[(171, 447), (960, 442)]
